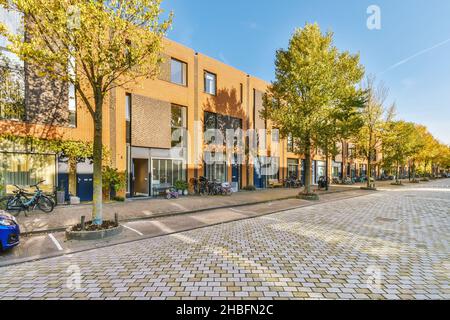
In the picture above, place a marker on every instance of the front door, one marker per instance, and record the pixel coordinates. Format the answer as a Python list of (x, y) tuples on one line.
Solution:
[(140, 178), (85, 186), (235, 175)]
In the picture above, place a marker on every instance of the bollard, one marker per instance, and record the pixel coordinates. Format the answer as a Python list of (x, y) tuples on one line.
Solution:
[(83, 219), (116, 218)]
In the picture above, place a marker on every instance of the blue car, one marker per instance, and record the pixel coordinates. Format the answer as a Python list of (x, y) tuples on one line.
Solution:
[(9, 231)]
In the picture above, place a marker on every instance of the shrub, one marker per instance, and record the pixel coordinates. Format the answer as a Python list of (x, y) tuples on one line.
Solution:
[(119, 199), (181, 185), (113, 178), (2, 185)]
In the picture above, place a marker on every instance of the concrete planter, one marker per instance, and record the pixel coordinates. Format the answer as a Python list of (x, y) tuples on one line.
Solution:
[(308, 196), (93, 235)]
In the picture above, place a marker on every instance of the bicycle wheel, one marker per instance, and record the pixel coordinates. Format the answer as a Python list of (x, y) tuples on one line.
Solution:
[(11, 205), (45, 204)]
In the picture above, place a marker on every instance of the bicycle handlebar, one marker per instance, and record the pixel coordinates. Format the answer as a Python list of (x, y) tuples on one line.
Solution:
[(34, 185)]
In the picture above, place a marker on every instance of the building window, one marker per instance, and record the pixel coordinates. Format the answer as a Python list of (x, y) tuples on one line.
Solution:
[(166, 172), (178, 72), (222, 123), (292, 165), (178, 124), (12, 72), (25, 169), (290, 143), (216, 171), (210, 83), (128, 116), (241, 92), (72, 106)]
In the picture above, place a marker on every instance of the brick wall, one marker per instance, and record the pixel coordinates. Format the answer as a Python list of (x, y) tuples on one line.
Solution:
[(151, 126), (46, 100)]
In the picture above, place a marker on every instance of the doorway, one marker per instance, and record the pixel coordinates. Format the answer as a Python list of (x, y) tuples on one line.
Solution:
[(140, 178)]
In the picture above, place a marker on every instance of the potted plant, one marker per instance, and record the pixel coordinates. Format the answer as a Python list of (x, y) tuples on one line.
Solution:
[(181, 187), (113, 181), (61, 195)]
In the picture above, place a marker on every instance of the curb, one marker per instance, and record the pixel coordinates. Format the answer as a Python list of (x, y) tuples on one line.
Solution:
[(120, 242), (173, 214)]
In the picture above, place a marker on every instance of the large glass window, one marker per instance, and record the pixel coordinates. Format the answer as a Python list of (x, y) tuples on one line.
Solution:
[(337, 169), (72, 106), (210, 83), (128, 117), (222, 123), (290, 143), (178, 72), (216, 171), (167, 171), (12, 72), (293, 168), (27, 169), (178, 124)]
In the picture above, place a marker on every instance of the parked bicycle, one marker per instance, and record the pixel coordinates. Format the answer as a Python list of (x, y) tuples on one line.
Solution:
[(20, 201), (292, 182), (336, 180)]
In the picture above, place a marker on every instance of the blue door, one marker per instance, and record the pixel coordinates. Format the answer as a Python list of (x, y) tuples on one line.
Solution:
[(258, 179), (85, 186), (235, 173)]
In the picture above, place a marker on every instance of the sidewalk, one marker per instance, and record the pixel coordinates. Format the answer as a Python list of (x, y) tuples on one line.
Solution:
[(65, 216)]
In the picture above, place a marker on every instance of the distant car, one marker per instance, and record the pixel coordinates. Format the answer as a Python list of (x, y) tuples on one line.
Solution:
[(9, 231)]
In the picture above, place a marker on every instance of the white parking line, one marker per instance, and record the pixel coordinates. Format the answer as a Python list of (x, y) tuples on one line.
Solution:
[(134, 230), (58, 246), (242, 211)]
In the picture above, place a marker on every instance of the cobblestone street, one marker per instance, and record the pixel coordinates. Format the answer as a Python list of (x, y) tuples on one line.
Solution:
[(386, 245)]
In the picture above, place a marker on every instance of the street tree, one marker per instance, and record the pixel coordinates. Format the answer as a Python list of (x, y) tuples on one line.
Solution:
[(313, 80), (374, 116), (96, 46), (399, 143)]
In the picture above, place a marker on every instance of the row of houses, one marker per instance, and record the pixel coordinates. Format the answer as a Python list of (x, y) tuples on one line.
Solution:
[(160, 130)]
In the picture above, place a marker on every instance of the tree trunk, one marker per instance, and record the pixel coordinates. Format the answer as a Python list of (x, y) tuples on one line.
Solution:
[(73, 176), (344, 161), (97, 212), (397, 173), (327, 173), (308, 168)]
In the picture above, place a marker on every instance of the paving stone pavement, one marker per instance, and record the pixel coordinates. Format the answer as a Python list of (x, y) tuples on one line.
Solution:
[(386, 245)]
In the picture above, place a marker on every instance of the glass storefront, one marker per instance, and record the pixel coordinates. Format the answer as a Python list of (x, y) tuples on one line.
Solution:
[(165, 172), (337, 170), (321, 167), (27, 169), (292, 167), (216, 171)]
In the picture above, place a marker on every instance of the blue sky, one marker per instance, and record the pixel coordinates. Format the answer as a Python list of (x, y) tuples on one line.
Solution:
[(245, 34)]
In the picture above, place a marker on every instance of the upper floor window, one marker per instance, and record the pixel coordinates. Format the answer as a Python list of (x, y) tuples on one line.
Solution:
[(72, 106), (210, 83), (178, 72), (241, 93), (290, 143), (128, 117), (12, 72), (178, 124)]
